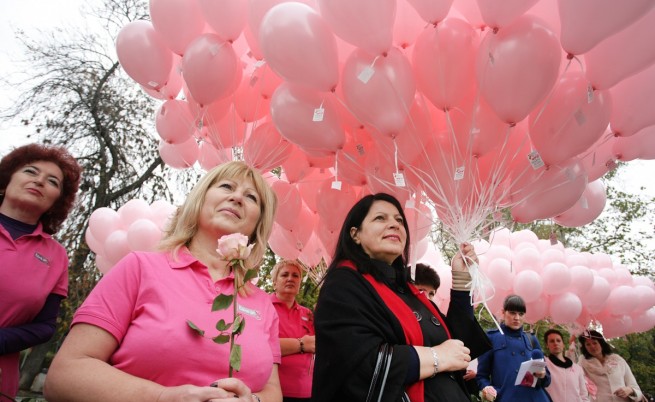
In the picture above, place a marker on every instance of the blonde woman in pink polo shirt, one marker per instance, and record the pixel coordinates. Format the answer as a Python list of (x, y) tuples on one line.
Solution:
[(38, 185), (130, 340), (296, 333)]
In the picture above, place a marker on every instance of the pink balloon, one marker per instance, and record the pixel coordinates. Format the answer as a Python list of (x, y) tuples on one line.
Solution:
[(307, 118), (407, 26), (179, 156), (333, 204), (210, 68), (289, 204), (565, 308), (471, 11), (585, 23), (500, 14), (582, 279), (178, 22), (228, 132), (174, 122), (299, 46), (367, 24), (91, 241), (590, 205), (529, 285), (556, 277), (172, 87), (536, 311), (527, 259), (517, 67), (645, 296), (134, 210), (622, 300), (280, 245), (567, 123), (103, 222), (597, 295), (644, 321), (143, 235), (552, 193), (384, 99), (638, 146), (313, 251), (328, 237), (103, 264), (612, 61), (249, 103), (209, 156), (162, 211), (499, 270), (143, 54), (600, 158), (444, 60), (116, 246), (634, 98), (296, 167), (420, 220), (351, 162), (432, 11), (299, 235), (226, 17), (616, 326), (265, 149)]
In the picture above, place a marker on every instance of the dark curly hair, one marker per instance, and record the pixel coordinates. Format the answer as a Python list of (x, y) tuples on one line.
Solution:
[(591, 334), (427, 276), (21, 156)]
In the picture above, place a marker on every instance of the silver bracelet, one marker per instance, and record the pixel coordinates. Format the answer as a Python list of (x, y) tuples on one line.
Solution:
[(255, 398), (436, 362)]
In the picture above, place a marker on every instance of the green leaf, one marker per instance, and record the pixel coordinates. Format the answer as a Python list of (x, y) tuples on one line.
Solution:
[(222, 302), (251, 273), (195, 328), (235, 357), (222, 325), (239, 325), (221, 339)]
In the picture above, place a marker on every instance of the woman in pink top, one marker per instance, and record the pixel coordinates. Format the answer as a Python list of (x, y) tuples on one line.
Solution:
[(567, 382), (38, 185), (130, 340), (296, 333)]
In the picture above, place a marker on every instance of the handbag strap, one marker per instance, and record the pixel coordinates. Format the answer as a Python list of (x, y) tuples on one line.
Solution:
[(380, 373)]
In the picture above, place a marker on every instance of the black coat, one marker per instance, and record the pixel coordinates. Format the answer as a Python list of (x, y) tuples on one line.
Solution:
[(352, 321)]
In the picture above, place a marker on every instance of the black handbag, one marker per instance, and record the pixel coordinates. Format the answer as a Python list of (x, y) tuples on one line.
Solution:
[(380, 373)]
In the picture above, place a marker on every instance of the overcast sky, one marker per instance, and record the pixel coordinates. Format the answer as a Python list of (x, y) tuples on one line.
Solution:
[(34, 15)]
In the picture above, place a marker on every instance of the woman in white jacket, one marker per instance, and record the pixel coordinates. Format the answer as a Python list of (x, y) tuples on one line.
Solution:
[(567, 382), (608, 370)]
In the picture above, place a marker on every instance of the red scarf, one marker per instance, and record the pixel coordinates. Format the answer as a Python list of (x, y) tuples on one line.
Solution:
[(404, 314)]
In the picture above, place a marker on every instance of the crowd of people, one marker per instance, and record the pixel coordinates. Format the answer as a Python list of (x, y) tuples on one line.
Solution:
[(375, 333)]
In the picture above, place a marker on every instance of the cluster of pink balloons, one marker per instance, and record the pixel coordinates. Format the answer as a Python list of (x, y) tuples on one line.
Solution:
[(566, 286), (464, 105), (136, 226)]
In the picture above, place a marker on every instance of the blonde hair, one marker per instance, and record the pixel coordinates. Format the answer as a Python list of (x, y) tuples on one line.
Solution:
[(183, 225), (277, 267)]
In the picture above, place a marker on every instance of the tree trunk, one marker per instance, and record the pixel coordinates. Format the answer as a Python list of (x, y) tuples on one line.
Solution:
[(34, 363)]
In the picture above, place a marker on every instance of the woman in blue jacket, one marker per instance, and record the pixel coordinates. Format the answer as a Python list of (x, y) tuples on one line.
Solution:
[(498, 368)]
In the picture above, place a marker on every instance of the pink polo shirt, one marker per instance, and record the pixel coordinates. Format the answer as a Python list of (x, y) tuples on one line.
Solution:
[(296, 370), (145, 301), (31, 267)]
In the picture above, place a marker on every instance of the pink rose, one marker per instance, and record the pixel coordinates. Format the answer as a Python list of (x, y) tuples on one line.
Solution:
[(234, 247)]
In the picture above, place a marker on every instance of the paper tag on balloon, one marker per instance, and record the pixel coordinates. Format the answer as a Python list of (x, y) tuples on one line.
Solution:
[(336, 185), (319, 113), (590, 93), (535, 160), (153, 84), (570, 174), (459, 173), (399, 178), (475, 131), (584, 203), (253, 80), (366, 74), (259, 63), (360, 149), (410, 204), (553, 239)]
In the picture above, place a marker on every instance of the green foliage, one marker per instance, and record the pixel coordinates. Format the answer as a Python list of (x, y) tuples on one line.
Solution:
[(639, 351)]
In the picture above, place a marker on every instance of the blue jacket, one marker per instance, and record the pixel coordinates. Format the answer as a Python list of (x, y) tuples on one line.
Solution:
[(499, 366)]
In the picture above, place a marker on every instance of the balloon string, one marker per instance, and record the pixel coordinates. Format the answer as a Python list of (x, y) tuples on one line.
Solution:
[(395, 154), (479, 285)]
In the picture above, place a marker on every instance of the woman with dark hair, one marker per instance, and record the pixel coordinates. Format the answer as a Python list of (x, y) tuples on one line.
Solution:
[(609, 371), (498, 368), (38, 185), (377, 336)]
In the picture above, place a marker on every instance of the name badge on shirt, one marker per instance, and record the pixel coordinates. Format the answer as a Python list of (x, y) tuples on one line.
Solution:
[(253, 313), (41, 258)]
